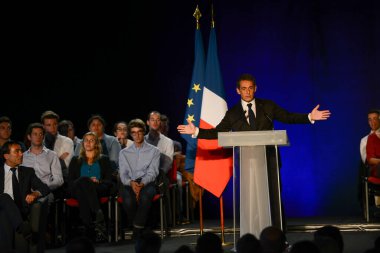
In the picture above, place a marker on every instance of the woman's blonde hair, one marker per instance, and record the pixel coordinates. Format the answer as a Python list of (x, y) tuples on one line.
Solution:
[(98, 147)]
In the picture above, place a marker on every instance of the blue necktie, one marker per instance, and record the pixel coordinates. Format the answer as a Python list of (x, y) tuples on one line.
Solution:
[(251, 115)]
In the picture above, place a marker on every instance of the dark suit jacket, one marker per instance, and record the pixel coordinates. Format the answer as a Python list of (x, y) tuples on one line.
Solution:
[(28, 181), (266, 111)]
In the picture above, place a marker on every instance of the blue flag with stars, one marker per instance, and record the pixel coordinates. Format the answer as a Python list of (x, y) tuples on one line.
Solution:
[(194, 100)]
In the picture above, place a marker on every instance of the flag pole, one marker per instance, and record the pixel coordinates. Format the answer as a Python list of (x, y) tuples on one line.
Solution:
[(200, 213), (221, 218), (224, 243)]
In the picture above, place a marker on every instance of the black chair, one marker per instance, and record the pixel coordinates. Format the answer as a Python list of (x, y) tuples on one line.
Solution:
[(371, 188), (175, 198), (72, 203)]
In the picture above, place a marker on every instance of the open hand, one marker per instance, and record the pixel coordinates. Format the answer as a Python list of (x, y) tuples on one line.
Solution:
[(186, 129), (319, 115)]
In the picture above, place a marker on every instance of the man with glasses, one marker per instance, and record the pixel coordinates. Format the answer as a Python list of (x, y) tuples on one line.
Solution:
[(138, 168)]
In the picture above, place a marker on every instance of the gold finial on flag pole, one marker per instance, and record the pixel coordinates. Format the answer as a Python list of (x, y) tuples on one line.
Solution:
[(197, 15), (212, 16)]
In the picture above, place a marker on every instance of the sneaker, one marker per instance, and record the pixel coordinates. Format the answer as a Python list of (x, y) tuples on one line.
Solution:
[(100, 232)]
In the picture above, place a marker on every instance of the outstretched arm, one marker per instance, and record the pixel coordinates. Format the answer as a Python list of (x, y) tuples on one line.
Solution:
[(319, 115), (187, 129)]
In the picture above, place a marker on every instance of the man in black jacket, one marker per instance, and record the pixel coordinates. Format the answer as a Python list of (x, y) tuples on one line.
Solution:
[(255, 114), (16, 194)]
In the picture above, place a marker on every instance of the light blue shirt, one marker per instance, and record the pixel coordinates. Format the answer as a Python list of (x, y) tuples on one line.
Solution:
[(46, 166), (142, 162)]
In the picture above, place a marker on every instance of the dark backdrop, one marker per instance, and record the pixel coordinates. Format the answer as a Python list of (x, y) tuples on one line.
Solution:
[(123, 61)]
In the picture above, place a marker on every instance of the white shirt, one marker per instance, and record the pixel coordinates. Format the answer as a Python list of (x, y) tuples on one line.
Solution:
[(244, 104), (64, 144), (363, 146), (8, 186)]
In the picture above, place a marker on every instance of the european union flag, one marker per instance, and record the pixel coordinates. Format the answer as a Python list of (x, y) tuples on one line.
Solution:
[(194, 100)]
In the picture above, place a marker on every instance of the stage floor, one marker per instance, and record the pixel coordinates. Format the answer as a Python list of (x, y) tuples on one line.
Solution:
[(358, 235)]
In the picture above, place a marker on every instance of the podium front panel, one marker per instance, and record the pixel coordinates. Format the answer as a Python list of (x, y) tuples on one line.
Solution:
[(255, 211)]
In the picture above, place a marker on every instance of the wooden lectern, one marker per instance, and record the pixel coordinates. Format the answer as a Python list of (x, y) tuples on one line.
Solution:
[(256, 212)]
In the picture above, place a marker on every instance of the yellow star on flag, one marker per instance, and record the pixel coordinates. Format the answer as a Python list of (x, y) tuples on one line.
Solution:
[(190, 102), (190, 117), (196, 87)]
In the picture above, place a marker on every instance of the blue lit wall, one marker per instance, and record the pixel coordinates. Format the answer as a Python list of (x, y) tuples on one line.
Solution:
[(305, 53), (302, 53)]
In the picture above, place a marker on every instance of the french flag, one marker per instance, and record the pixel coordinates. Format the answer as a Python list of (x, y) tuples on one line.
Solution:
[(213, 164)]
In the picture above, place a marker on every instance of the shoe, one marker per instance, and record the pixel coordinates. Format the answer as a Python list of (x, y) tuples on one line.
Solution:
[(136, 233), (25, 229), (100, 232)]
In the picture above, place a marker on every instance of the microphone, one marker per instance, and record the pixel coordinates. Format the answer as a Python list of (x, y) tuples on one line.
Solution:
[(267, 116), (240, 118)]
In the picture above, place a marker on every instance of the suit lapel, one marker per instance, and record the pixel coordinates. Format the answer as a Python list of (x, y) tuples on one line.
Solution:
[(2, 175), (246, 126)]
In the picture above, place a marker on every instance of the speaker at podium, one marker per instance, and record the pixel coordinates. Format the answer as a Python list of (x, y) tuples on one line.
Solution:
[(259, 178)]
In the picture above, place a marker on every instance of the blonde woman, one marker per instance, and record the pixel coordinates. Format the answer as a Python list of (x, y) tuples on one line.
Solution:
[(90, 177)]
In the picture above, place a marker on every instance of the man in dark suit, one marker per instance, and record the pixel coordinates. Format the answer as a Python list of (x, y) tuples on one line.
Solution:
[(13, 212), (255, 114)]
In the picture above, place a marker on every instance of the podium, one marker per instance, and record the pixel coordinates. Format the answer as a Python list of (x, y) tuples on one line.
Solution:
[(260, 198)]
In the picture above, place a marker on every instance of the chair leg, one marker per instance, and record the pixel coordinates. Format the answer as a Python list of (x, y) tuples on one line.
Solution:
[(187, 201), (117, 214), (109, 220), (162, 217), (174, 204), (366, 200), (64, 225)]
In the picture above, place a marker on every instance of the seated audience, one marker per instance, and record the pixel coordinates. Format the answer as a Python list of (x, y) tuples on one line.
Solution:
[(248, 243), (209, 242), (62, 145), (44, 161), (6, 132), (166, 147), (66, 128), (16, 196), (138, 171), (329, 238), (90, 177), (304, 246), (120, 130), (273, 240), (110, 146)]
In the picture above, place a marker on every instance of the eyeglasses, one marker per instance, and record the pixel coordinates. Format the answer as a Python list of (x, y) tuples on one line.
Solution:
[(137, 132)]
